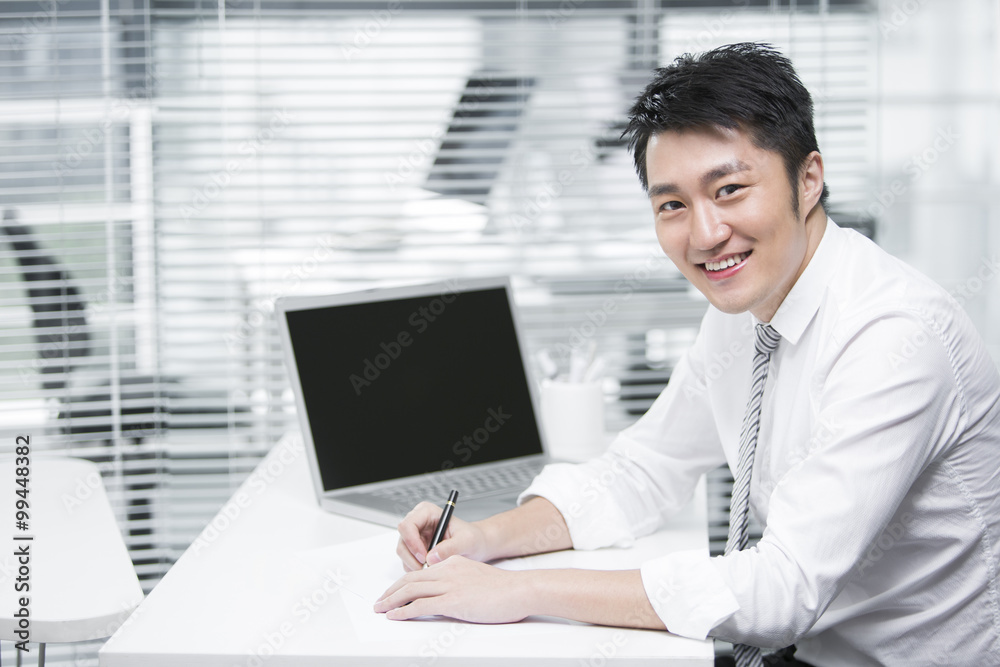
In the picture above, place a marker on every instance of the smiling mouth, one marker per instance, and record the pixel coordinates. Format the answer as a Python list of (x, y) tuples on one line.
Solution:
[(726, 263)]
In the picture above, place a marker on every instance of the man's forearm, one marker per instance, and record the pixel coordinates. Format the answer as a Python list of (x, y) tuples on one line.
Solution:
[(534, 527), (614, 597)]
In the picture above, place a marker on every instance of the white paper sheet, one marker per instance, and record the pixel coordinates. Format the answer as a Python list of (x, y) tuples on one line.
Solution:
[(369, 567)]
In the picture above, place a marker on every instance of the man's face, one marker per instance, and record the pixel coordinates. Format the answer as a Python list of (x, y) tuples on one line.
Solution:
[(723, 211)]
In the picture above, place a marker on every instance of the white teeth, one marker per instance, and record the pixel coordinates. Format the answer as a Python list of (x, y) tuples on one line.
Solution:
[(726, 263)]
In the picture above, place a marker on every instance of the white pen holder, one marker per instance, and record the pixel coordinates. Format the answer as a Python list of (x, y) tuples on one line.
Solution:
[(573, 418)]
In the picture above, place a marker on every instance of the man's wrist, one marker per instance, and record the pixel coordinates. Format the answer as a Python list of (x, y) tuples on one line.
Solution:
[(493, 538), (534, 527)]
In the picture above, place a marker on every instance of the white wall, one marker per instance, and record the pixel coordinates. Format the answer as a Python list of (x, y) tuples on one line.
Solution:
[(938, 164)]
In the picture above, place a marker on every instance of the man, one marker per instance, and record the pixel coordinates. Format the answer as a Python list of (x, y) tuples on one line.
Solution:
[(868, 450)]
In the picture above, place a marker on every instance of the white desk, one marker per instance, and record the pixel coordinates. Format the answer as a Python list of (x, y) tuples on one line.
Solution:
[(266, 584)]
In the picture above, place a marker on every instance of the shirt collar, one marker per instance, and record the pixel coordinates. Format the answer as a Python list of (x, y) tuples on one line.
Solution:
[(800, 305)]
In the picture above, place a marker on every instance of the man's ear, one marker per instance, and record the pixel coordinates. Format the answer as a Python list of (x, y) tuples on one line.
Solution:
[(811, 181)]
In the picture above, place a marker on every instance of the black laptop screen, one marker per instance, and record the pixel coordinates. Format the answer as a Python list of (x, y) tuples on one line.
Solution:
[(411, 386)]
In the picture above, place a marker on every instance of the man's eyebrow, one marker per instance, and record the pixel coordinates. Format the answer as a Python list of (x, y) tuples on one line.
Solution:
[(723, 170), (662, 189)]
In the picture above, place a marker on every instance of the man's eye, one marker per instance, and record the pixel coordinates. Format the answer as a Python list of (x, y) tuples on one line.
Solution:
[(729, 189), (671, 206)]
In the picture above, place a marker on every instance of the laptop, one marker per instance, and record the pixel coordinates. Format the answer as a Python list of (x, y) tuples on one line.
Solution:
[(406, 393)]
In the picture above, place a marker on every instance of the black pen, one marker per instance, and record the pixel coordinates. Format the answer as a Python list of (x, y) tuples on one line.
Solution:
[(442, 526)]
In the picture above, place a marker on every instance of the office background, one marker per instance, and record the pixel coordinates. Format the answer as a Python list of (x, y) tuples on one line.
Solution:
[(169, 167)]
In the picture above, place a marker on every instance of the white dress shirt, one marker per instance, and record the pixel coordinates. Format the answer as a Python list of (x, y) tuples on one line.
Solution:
[(875, 476)]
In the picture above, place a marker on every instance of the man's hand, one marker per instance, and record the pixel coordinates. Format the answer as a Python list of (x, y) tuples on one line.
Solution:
[(459, 588), (417, 529), (534, 527)]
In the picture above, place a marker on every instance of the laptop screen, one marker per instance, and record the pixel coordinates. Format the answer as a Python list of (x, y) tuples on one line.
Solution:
[(412, 385)]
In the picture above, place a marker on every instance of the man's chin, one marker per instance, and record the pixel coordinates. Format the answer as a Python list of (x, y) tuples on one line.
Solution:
[(730, 309), (730, 304)]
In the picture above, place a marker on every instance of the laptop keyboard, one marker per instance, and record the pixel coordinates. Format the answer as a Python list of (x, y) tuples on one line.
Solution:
[(470, 484)]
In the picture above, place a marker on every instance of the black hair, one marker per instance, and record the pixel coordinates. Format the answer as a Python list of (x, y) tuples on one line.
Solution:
[(746, 86)]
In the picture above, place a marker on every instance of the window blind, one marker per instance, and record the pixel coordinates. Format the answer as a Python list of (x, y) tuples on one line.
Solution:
[(169, 168)]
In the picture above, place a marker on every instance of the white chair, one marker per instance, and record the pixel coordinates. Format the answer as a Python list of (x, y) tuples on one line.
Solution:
[(67, 560)]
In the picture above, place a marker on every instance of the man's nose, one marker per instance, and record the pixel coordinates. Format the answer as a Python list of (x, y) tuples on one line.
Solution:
[(708, 228)]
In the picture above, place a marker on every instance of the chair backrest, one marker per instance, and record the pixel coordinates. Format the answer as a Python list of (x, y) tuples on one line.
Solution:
[(60, 322)]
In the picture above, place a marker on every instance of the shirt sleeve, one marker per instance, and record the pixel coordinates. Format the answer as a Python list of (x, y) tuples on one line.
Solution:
[(648, 473), (880, 420)]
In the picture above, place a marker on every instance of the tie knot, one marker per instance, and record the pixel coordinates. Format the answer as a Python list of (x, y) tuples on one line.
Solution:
[(767, 339)]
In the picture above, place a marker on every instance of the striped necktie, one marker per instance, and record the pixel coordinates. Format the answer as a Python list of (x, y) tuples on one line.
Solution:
[(766, 343)]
